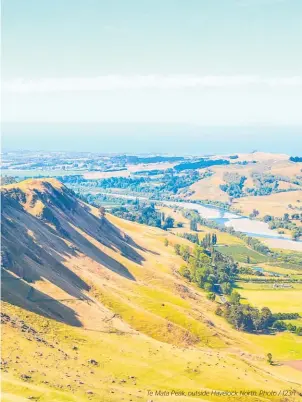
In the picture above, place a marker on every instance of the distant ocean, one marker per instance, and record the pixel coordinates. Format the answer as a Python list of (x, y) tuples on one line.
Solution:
[(151, 138)]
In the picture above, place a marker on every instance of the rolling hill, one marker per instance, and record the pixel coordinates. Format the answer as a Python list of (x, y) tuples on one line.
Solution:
[(259, 170), (93, 308)]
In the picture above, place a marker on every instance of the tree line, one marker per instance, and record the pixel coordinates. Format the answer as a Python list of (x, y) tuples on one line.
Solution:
[(244, 317), (295, 159), (144, 214)]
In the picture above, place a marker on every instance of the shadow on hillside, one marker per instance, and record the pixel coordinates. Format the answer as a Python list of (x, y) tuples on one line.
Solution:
[(47, 251), (100, 229), (107, 234), (21, 294), (132, 243), (32, 262), (124, 242), (64, 210), (93, 252), (37, 248), (85, 246)]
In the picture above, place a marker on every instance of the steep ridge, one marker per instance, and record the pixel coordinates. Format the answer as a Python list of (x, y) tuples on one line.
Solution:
[(43, 226), (98, 288)]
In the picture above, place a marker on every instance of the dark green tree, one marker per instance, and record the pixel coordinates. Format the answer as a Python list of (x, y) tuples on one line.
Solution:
[(169, 223), (235, 297), (270, 358), (214, 239), (177, 249), (193, 225)]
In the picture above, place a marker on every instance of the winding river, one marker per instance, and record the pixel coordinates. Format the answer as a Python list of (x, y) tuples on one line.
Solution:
[(250, 227), (253, 228)]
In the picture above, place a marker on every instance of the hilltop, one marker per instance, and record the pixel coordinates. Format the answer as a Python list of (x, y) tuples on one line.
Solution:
[(271, 183), (93, 308)]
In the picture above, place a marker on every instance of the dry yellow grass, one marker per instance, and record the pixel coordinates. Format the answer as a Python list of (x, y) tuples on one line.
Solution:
[(131, 312), (274, 204), (208, 189), (262, 156)]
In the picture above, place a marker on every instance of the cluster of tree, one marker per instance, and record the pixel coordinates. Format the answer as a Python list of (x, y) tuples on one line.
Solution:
[(295, 159), (145, 214), (168, 223), (201, 164), (152, 159), (276, 223), (226, 206), (172, 182), (247, 271), (209, 269), (157, 184), (191, 237), (98, 200), (209, 240), (76, 179), (256, 244), (193, 225), (153, 172), (286, 316), (281, 326), (268, 218), (286, 222), (244, 317), (135, 184), (206, 173), (296, 216), (264, 185), (234, 186), (123, 160), (296, 233), (244, 163), (129, 183), (254, 213), (287, 179)]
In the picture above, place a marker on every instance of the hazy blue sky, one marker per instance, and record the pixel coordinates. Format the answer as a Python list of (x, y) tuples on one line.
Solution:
[(204, 62), (177, 139)]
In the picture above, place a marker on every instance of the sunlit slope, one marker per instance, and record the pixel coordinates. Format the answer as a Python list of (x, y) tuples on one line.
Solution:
[(69, 363), (288, 175), (94, 309)]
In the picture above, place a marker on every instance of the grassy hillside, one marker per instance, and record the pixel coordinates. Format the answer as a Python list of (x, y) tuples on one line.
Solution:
[(93, 308), (273, 204), (258, 165)]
